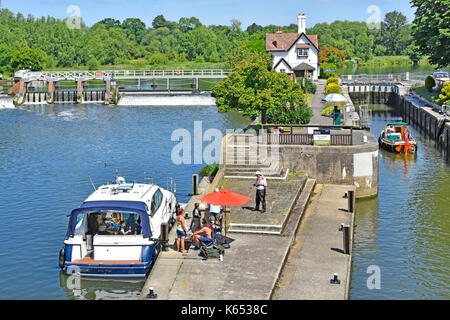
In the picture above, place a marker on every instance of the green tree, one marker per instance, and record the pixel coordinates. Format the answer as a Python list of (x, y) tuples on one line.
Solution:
[(6, 54), (134, 28), (161, 22), (431, 30), (93, 64), (430, 83), (256, 89), (395, 33), (27, 58), (110, 23), (414, 53)]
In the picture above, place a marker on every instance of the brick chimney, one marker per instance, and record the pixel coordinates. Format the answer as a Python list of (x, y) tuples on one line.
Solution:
[(301, 23)]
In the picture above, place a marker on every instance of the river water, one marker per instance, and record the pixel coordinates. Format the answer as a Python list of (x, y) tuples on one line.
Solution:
[(405, 231), (48, 153)]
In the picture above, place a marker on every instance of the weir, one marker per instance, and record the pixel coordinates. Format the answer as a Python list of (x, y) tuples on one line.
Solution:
[(109, 87)]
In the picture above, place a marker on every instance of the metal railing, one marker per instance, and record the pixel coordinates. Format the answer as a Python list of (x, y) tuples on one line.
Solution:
[(123, 74), (288, 136)]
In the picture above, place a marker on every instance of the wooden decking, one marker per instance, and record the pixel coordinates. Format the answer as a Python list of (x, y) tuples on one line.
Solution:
[(89, 260)]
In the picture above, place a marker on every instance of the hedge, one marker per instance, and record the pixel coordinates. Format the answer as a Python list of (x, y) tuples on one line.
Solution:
[(332, 88)]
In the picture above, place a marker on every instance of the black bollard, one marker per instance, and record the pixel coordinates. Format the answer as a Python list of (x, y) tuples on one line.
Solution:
[(151, 294), (164, 236), (335, 279), (346, 238), (351, 201), (195, 184)]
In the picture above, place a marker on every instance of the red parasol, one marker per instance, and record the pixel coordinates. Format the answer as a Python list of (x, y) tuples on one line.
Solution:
[(225, 198)]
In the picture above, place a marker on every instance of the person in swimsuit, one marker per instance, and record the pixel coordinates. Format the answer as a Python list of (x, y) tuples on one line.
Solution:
[(181, 230)]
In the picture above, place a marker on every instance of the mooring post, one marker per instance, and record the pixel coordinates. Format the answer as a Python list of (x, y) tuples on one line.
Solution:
[(164, 236), (351, 201), (346, 238), (195, 184)]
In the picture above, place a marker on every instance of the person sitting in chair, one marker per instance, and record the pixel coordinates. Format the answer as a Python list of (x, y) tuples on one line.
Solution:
[(204, 234)]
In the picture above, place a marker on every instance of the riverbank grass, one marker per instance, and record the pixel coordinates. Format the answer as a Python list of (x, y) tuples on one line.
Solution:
[(424, 93)]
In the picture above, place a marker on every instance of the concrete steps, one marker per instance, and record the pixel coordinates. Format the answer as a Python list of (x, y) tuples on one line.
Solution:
[(273, 170), (301, 201)]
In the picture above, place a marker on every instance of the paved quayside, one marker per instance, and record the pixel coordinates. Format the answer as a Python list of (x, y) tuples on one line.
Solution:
[(317, 252), (253, 265), (250, 268)]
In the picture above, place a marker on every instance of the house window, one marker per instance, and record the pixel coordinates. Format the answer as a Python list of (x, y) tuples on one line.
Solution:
[(302, 52), (283, 70)]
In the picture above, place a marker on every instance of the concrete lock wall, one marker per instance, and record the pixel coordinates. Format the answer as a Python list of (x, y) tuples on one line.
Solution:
[(350, 165), (427, 120)]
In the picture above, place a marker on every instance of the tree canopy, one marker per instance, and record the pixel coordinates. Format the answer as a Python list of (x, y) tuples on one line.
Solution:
[(431, 30), (114, 42), (256, 89)]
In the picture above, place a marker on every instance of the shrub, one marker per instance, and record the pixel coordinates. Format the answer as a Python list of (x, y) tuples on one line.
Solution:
[(444, 97), (332, 88), (332, 80), (326, 66), (93, 64), (307, 85), (158, 59), (209, 170), (430, 83)]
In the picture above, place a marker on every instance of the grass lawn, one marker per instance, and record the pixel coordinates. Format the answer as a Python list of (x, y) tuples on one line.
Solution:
[(430, 96)]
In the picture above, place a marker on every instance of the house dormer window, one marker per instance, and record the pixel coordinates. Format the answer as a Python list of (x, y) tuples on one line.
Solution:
[(303, 50), (303, 53)]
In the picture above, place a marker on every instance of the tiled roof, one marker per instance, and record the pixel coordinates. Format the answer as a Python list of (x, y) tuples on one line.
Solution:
[(284, 41)]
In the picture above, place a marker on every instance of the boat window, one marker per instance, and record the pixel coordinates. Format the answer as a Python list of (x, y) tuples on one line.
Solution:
[(156, 201), (113, 223)]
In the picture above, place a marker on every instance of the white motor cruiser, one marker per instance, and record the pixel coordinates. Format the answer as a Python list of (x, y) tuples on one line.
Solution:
[(116, 231)]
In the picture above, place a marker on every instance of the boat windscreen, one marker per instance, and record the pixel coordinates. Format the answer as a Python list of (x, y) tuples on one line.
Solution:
[(133, 217)]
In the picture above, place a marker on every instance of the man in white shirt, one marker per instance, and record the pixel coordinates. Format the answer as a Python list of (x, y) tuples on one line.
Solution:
[(261, 191)]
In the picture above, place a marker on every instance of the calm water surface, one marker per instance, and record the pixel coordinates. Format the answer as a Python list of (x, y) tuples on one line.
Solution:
[(47, 154), (406, 230)]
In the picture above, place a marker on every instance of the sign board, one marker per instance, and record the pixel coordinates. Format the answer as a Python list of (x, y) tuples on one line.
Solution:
[(99, 74), (322, 138)]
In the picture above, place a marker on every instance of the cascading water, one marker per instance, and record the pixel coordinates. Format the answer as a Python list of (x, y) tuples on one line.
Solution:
[(6, 102), (166, 99)]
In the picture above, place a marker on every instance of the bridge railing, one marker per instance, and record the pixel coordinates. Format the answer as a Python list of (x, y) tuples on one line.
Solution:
[(124, 74)]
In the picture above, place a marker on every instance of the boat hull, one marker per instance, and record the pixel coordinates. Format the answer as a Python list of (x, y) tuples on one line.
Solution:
[(117, 269), (398, 148), (113, 270)]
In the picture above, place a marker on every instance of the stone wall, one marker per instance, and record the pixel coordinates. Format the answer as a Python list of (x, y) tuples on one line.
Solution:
[(350, 165)]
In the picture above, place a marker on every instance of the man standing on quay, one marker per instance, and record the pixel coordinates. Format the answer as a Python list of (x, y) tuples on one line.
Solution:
[(261, 191)]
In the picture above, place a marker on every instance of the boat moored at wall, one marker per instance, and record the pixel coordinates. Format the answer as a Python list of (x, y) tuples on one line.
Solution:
[(116, 231)]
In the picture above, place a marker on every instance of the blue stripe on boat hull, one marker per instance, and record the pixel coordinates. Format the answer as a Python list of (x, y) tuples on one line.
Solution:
[(112, 270)]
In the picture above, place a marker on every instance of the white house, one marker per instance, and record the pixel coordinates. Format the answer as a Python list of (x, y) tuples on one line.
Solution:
[(296, 54)]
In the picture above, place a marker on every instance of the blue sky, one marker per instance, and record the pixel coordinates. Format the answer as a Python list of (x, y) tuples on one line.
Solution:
[(263, 12)]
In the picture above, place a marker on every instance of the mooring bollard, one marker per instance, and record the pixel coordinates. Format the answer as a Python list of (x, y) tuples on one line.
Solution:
[(346, 238), (351, 201), (335, 279), (151, 294), (164, 236), (195, 184)]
